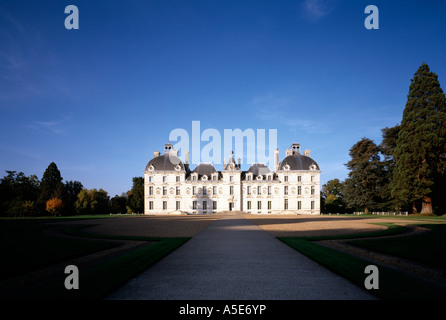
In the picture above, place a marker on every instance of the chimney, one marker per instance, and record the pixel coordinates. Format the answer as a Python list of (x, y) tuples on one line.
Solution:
[(187, 157), (239, 162), (223, 163), (156, 154), (289, 152), (276, 160), (307, 152)]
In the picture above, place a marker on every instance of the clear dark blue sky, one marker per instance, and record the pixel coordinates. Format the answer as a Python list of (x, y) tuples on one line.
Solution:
[(99, 100)]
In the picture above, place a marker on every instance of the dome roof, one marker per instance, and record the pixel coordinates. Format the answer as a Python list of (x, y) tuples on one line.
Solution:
[(166, 162), (298, 162)]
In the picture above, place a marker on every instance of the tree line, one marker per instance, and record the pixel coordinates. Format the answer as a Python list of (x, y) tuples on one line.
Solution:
[(406, 171), (27, 196)]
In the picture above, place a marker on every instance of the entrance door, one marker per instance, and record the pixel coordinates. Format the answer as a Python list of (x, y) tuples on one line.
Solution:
[(231, 205)]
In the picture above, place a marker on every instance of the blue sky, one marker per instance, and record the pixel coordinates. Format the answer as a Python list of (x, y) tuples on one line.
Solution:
[(99, 100)]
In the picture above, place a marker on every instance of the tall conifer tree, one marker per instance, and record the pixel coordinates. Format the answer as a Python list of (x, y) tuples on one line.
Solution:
[(420, 149)]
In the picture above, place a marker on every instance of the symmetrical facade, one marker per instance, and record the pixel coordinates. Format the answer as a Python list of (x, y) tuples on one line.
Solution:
[(171, 187)]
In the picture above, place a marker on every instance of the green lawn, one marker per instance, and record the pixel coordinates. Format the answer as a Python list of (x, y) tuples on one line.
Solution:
[(394, 285), (24, 248)]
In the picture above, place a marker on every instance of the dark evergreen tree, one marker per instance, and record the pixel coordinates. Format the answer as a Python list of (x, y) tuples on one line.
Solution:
[(363, 187), (118, 204), (135, 197), (51, 185), (420, 148), (71, 190)]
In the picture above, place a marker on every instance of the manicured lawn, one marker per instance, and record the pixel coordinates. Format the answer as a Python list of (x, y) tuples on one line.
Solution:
[(394, 285), (24, 247)]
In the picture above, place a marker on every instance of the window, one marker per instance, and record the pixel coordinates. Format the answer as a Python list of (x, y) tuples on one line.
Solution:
[(299, 190), (214, 178), (150, 191), (269, 205), (269, 190), (312, 190), (150, 205), (150, 179), (214, 205), (164, 191), (299, 178), (231, 178), (164, 179), (259, 190), (194, 205), (178, 205), (312, 205), (164, 205), (259, 205), (193, 190), (178, 191), (178, 178), (248, 178), (269, 177), (205, 191), (312, 178), (285, 204), (285, 178), (194, 178), (299, 205), (205, 205), (231, 190), (214, 190), (249, 205), (248, 190), (285, 190)]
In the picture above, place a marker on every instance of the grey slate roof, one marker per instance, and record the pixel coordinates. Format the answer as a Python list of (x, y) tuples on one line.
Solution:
[(298, 162), (165, 162)]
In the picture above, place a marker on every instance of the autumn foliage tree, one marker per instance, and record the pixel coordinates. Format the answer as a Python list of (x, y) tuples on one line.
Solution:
[(54, 206)]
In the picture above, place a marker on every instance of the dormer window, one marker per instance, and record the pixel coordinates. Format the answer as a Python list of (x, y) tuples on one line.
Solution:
[(259, 177), (204, 178), (286, 167)]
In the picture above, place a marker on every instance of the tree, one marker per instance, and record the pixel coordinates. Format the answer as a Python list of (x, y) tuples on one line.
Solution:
[(420, 152), (135, 197), (363, 187), (18, 194), (92, 201), (71, 190), (118, 204), (54, 206), (333, 197), (51, 185)]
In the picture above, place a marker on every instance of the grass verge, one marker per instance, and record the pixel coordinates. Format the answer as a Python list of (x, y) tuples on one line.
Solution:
[(393, 284)]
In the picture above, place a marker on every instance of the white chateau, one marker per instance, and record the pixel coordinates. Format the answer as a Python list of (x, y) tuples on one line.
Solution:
[(171, 187)]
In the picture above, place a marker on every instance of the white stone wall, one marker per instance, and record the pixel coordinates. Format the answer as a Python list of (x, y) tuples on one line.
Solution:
[(162, 188)]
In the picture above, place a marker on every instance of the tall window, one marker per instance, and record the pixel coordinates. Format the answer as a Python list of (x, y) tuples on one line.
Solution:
[(285, 204), (164, 191), (164, 205), (269, 205), (231, 190), (150, 191), (178, 178), (231, 178), (214, 205), (269, 190), (299, 205), (164, 179), (194, 205), (285, 190), (193, 190), (312, 178), (285, 178), (299, 178), (214, 190), (312, 205), (150, 179), (248, 190), (205, 191), (205, 205), (259, 205), (299, 190), (312, 190), (178, 191), (259, 190), (249, 205), (178, 205), (150, 205)]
